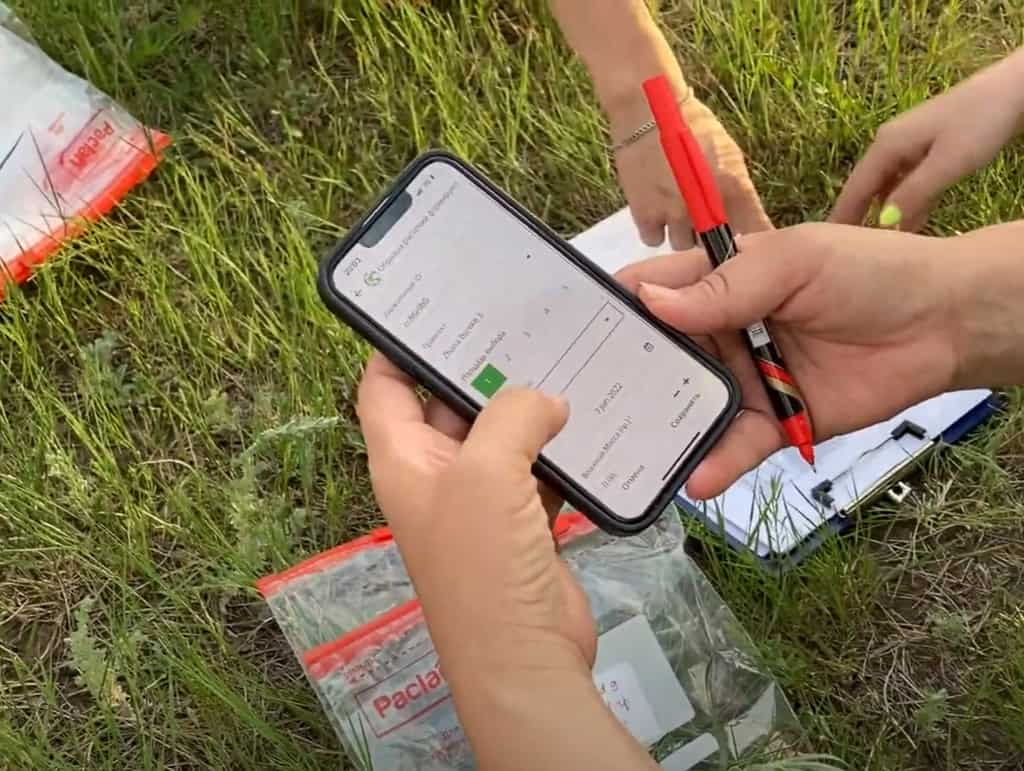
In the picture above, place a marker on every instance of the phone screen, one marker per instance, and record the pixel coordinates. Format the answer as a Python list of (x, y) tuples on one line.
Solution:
[(488, 302)]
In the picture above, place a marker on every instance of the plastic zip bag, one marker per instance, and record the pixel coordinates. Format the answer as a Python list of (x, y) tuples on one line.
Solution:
[(645, 590), (339, 590), (386, 696), (332, 593), (673, 664), (68, 153)]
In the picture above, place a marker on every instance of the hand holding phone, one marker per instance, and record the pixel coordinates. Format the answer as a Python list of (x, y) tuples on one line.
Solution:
[(469, 294)]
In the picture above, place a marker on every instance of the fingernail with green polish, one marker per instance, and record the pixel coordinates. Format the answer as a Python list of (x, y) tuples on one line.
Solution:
[(890, 216)]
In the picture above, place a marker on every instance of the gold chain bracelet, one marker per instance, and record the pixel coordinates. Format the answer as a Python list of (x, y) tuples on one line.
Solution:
[(641, 131)]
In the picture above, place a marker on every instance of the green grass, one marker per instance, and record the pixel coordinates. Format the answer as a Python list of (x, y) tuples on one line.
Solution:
[(176, 414)]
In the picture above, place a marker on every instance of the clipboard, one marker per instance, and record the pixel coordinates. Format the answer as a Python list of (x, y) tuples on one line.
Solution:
[(782, 511), (916, 443)]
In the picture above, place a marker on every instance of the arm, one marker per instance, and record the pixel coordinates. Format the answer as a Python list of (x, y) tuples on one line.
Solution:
[(621, 46), (510, 623), (547, 715), (917, 155), (871, 321), (987, 286)]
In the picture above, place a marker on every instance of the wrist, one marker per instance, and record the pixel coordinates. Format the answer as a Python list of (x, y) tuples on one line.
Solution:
[(621, 45), (618, 80), (501, 681), (1015, 66), (547, 704), (1003, 84), (988, 280), (506, 655)]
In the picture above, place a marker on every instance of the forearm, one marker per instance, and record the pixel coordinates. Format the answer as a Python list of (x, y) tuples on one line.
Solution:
[(988, 307), (549, 716), (524, 694), (620, 45), (1011, 72)]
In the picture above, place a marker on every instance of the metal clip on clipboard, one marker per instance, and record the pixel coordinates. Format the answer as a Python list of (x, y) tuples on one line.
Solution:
[(891, 485)]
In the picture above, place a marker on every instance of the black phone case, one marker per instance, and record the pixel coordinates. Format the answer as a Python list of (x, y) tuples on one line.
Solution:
[(425, 374)]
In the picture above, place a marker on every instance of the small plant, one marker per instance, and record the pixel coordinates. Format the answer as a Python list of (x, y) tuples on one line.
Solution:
[(93, 666), (61, 467), (932, 712), (295, 428), (953, 628), (219, 414), (101, 378)]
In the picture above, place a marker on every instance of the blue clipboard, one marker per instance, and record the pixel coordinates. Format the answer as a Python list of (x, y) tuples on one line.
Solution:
[(892, 484)]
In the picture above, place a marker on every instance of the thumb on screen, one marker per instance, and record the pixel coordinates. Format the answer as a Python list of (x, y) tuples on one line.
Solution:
[(516, 424)]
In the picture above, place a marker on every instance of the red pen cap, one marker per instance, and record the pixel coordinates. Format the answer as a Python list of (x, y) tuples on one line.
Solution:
[(689, 166)]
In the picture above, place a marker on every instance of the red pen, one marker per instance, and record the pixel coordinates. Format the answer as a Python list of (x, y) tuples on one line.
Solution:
[(707, 212)]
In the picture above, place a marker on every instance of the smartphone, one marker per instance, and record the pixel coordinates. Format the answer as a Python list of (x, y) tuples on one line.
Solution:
[(469, 293)]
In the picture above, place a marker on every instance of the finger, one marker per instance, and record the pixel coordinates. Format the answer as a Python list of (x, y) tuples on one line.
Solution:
[(651, 231), (872, 175), (517, 423), (910, 201), (916, 223), (671, 270), (735, 355), (745, 289), (709, 344), (387, 400), (751, 438), (441, 417), (743, 205), (680, 234), (578, 612)]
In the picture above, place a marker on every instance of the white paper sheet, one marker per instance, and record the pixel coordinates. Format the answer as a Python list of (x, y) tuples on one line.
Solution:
[(613, 242), (770, 509)]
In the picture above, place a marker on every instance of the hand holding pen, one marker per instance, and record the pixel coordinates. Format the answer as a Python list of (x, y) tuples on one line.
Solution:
[(872, 321), (704, 202)]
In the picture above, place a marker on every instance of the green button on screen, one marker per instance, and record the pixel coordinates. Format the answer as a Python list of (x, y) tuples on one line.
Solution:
[(489, 380)]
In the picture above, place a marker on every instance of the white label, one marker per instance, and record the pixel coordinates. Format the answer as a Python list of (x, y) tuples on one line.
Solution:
[(758, 334), (638, 683), (622, 693)]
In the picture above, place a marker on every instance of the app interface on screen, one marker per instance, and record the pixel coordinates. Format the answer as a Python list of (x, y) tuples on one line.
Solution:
[(489, 303)]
